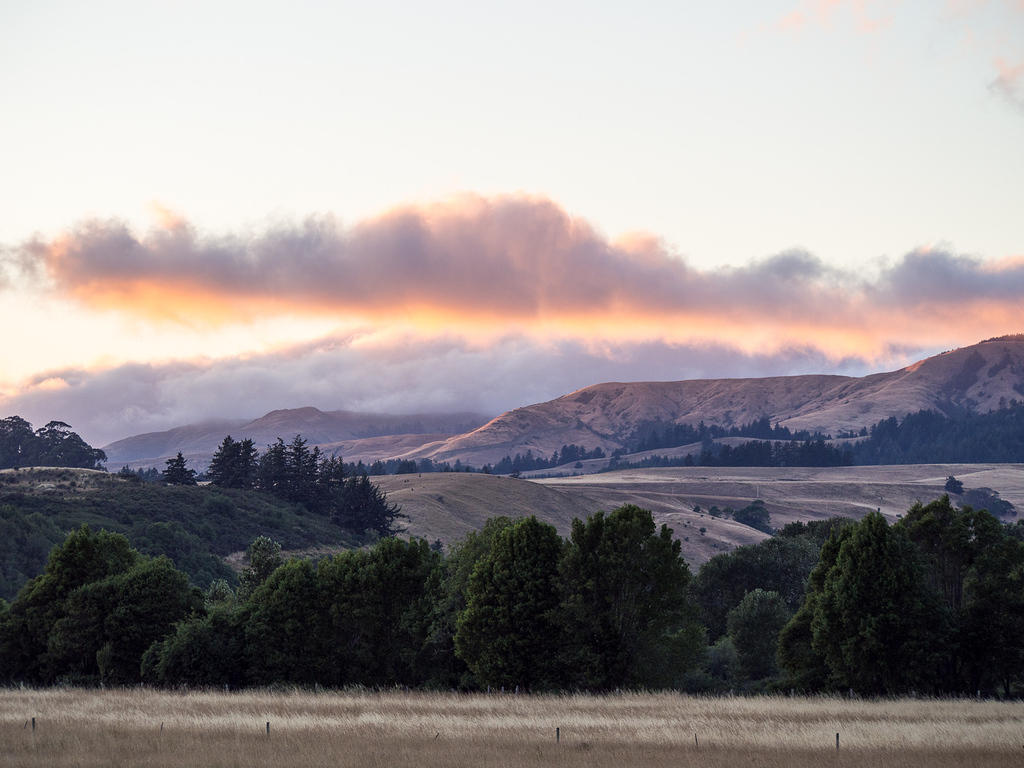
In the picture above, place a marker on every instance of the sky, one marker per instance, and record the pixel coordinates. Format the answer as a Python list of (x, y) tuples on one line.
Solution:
[(218, 209)]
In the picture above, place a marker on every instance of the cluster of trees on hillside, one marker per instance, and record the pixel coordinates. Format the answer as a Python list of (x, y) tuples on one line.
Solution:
[(958, 437), (54, 445), (509, 465), (527, 462), (755, 453), (324, 485), (195, 526), (934, 603), (652, 435)]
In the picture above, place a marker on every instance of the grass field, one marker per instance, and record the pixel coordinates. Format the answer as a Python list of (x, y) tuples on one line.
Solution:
[(448, 505), (146, 728)]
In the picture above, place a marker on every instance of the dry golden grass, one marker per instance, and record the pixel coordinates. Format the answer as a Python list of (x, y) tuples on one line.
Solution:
[(149, 728)]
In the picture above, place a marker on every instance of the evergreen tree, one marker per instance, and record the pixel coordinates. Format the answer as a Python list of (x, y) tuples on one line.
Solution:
[(378, 604), (177, 472), (364, 507), (234, 464)]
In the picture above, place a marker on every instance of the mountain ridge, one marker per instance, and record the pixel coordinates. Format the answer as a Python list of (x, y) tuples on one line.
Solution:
[(979, 377)]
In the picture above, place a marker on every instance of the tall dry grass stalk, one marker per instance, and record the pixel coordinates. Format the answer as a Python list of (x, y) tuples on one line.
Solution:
[(139, 727)]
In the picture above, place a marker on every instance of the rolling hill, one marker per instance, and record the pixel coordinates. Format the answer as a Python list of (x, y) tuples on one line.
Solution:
[(982, 377)]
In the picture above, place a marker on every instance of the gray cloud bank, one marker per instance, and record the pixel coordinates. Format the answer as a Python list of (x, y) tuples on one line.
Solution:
[(414, 376), (506, 257)]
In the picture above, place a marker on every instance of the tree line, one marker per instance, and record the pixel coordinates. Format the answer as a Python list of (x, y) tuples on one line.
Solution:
[(294, 472), (53, 445), (957, 436), (651, 435), (513, 605), (931, 604)]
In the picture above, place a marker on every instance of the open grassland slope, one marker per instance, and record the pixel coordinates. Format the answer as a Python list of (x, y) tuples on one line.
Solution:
[(446, 505), (146, 728)]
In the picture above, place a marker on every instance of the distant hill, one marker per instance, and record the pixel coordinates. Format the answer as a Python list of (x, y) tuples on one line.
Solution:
[(334, 430), (979, 378), (982, 377)]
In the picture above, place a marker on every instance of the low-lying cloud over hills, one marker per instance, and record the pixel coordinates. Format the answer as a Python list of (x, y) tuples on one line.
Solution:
[(982, 377)]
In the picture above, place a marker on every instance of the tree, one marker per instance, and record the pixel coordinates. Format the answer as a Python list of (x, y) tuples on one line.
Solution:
[(953, 485), (17, 442), (755, 515), (363, 507), (285, 635), (54, 445), (803, 661), (625, 600), (780, 564), (754, 627), (273, 469), (92, 613), (448, 669), (378, 605), (177, 472), (109, 624), (264, 556), (234, 464), (508, 634), (975, 567), (207, 649), (878, 626)]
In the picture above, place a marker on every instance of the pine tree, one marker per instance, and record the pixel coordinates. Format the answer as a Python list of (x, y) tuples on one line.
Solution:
[(177, 472)]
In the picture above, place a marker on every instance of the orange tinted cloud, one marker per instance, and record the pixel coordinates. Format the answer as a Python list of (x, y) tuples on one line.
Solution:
[(484, 266)]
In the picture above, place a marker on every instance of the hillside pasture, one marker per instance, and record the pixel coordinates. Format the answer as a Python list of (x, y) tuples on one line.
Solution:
[(140, 727), (447, 505)]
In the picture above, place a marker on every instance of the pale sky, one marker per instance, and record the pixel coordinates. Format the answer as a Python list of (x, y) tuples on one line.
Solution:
[(832, 155)]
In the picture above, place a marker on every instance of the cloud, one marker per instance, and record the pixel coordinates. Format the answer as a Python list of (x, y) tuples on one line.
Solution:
[(477, 303), (405, 375), (1009, 82), (808, 14), (484, 267)]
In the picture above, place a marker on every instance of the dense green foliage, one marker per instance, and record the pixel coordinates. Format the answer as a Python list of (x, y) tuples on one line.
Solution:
[(54, 445), (296, 473), (196, 527), (626, 618), (933, 603), (957, 437), (92, 613), (651, 435), (398, 613)]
